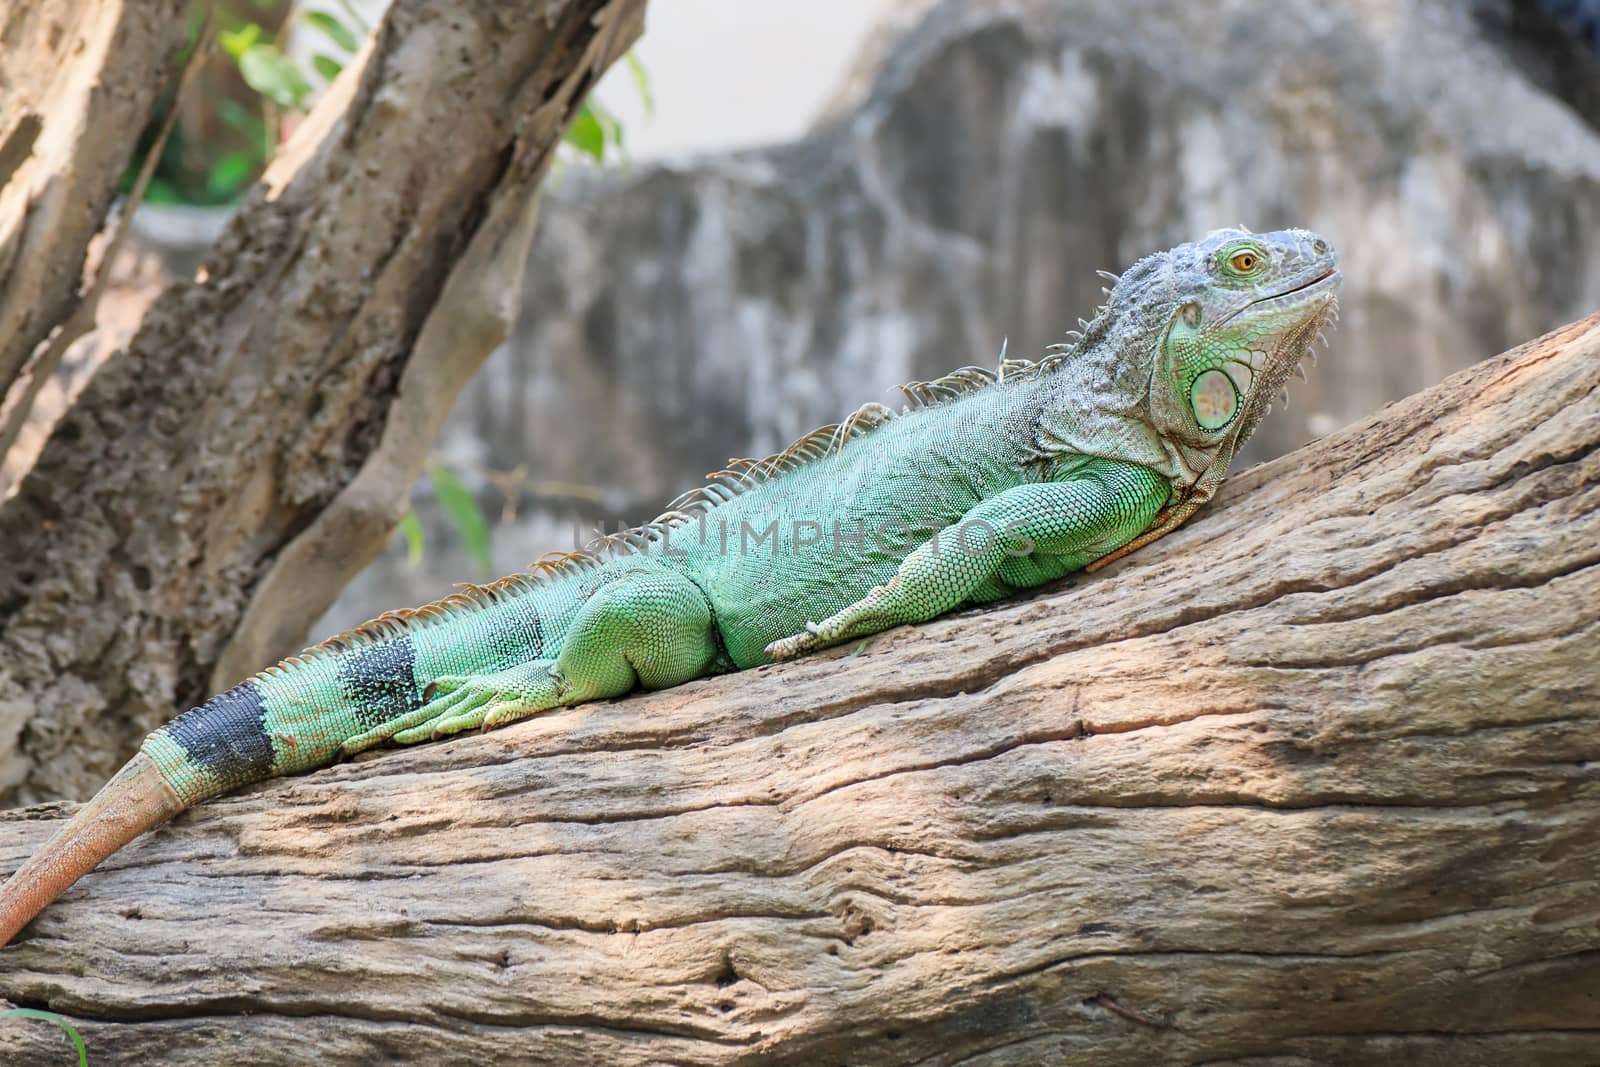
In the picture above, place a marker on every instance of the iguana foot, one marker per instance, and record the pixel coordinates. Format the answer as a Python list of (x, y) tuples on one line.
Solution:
[(866, 616), (385, 730), (790, 647), (465, 702)]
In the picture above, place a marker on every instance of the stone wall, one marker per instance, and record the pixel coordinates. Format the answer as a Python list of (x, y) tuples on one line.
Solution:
[(984, 159)]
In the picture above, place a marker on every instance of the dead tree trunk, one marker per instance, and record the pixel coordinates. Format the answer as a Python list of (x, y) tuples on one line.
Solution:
[(1316, 779), (217, 483)]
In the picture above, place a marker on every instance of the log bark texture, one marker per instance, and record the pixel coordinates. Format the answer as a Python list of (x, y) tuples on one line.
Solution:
[(218, 482), (1314, 780)]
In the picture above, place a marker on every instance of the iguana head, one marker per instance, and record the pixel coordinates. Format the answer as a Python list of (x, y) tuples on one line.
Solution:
[(1239, 313), (1188, 353), (1185, 359)]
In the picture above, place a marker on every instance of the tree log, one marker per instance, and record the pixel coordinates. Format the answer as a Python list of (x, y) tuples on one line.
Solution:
[(1314, 780)]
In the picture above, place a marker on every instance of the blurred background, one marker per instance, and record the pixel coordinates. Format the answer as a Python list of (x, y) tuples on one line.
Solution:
[(798, 205)]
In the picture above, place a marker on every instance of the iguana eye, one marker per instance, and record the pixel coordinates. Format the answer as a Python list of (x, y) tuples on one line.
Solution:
[(1244, 262)]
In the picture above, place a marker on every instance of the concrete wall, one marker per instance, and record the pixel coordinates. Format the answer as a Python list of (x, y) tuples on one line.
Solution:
[(973, 171)]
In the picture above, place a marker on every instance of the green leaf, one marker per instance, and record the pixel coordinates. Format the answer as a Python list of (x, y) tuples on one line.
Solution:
[(162, 191), (249, 124), (411, 529), (238, 117), (274, 75), (230, 174), (610, 125), (52, 1017), (457, 502), (587, 134), (237, 42), (593, 129), (641, 82), (327, 66), (337, 32)]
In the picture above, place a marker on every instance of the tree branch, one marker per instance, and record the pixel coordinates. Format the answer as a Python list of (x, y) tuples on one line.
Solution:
[(1313, 780), (38, 370), (78, 82), (280, 404)]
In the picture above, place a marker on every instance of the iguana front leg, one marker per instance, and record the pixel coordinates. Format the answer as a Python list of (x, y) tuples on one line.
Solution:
[(1023, 536), (1176, 513)]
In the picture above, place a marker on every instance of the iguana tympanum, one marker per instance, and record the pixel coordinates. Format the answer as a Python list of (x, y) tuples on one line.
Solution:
[(984, 484)]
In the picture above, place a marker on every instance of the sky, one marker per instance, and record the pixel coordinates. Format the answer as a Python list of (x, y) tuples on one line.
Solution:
[(723, 73), (734, 73)]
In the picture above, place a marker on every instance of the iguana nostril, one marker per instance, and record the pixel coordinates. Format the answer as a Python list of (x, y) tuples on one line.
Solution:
[(1320, 247)]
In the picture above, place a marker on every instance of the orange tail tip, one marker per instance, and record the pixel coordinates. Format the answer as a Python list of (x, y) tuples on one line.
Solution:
[(135, 800)]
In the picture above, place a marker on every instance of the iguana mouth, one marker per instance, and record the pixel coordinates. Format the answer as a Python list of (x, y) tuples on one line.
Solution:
[(1324, 276), (1332, 273)]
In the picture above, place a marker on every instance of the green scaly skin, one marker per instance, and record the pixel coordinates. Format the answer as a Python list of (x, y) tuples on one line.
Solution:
[(988, 483)]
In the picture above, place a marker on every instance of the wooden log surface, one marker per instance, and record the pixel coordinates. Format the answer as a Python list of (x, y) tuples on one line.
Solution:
[(1314, 780)]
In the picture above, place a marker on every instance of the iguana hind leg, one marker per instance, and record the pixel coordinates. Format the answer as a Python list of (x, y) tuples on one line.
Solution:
[(651, 629)]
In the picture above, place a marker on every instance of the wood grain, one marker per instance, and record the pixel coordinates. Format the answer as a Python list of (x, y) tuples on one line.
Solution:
[(1314, 780)]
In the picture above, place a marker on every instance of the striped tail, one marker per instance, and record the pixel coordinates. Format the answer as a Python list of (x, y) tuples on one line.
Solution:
[(211, 749), (135, 800), (289, 718), (356, 690)]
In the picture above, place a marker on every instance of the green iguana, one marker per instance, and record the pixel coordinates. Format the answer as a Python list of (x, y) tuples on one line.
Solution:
[(984, 484)]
